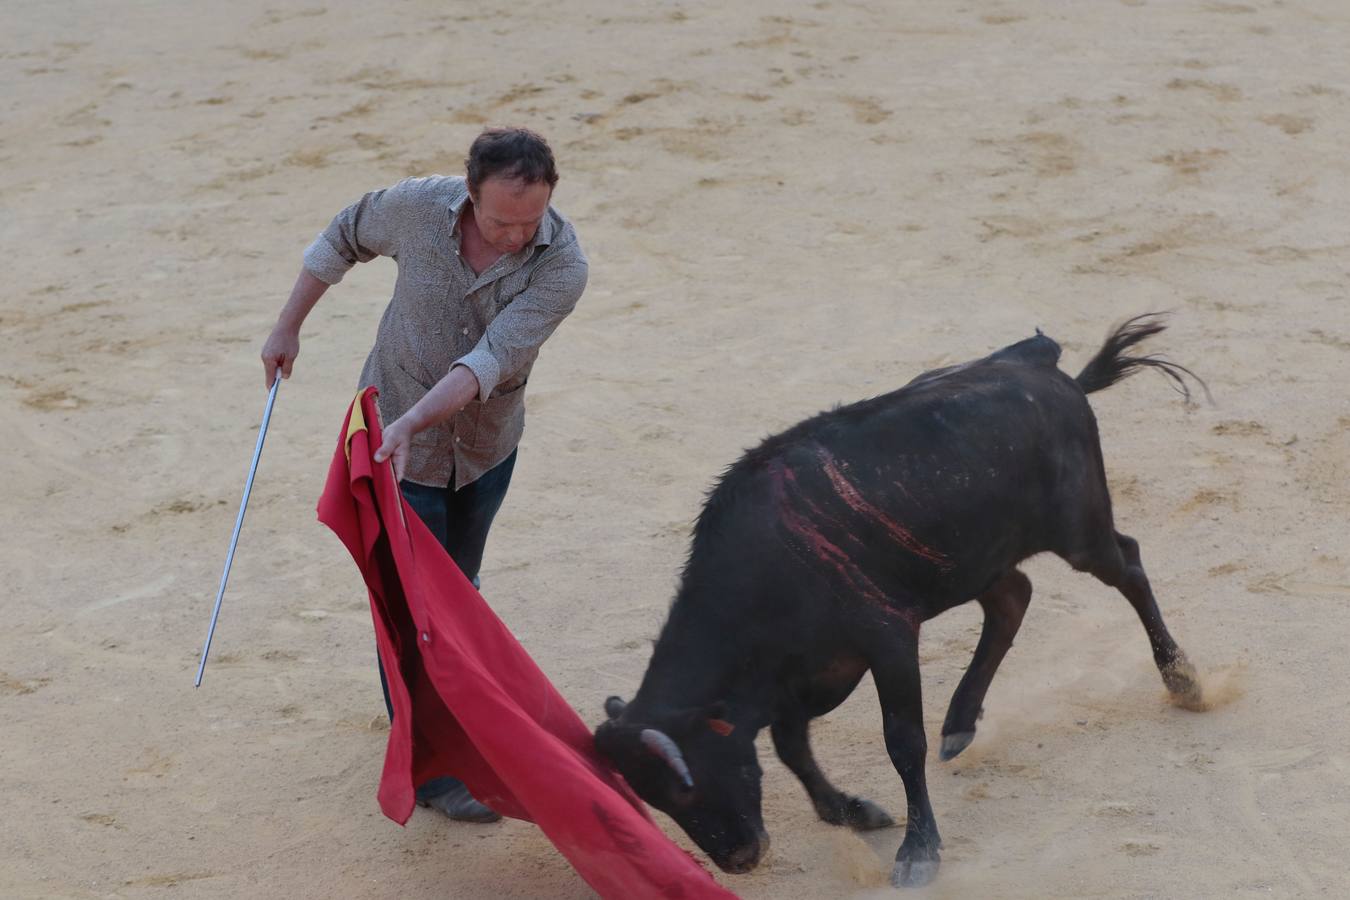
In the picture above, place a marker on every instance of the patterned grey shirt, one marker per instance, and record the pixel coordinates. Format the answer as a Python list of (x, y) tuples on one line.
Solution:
[(443, 315)]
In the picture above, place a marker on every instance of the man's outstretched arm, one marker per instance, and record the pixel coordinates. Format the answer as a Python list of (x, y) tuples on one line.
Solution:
[(283, 344), (448, 397)]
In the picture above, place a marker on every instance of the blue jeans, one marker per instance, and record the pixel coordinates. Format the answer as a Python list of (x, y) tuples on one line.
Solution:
[(460, 520)]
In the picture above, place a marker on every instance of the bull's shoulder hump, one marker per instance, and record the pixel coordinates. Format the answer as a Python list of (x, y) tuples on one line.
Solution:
[(1039, 352), (1034, 351)]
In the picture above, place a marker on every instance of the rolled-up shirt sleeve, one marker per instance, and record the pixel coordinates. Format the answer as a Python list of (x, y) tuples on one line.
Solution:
[(513, 338), (368, 228)]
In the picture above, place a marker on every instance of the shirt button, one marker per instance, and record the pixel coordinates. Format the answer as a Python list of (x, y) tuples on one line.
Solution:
[(464, 331), (456, 439)]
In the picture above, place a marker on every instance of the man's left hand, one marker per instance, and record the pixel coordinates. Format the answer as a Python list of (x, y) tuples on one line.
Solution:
[(451, 393), (397, 443)]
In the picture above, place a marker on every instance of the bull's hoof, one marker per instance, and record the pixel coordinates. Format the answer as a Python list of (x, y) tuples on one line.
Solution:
[(855, 812), (1183, 683), (953, 744), (864, 815), (913, 873)]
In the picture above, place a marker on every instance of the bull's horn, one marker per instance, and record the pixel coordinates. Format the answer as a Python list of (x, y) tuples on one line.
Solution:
[(658, 744), (614, 707)]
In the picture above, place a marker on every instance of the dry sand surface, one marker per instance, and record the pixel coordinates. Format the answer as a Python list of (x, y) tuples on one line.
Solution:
[(785, 206)]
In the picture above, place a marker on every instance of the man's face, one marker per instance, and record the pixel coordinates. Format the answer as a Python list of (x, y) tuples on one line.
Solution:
[(508, 211)]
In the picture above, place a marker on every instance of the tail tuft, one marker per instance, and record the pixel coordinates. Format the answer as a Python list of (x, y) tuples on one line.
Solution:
[(1111, 364)]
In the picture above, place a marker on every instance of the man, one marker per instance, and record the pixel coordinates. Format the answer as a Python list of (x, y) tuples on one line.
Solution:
[(487, 269)]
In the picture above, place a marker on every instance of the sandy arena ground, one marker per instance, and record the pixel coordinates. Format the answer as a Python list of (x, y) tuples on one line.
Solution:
[(785, 206)]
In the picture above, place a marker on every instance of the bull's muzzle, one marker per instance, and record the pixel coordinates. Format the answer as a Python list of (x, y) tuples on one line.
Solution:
[(746, 857)]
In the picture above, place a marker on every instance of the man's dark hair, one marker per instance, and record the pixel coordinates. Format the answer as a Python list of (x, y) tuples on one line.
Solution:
[(510, 153)]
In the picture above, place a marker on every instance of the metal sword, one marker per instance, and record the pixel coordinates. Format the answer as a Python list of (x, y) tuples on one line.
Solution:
[(238, 523)]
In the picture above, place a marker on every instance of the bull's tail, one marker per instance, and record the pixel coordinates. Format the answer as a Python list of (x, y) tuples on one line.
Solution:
[(1111, 364)]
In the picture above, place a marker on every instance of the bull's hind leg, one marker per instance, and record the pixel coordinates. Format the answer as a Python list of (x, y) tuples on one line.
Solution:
[(1004, 604), (792, 740), (1120, 567)]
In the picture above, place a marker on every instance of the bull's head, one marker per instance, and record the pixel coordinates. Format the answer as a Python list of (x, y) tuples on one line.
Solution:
[(698, 769)]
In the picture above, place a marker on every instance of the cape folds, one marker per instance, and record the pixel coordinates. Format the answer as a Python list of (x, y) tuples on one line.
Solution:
[(470, 702)]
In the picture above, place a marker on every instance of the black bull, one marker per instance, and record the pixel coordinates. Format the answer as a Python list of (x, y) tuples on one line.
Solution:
[(821, 551)]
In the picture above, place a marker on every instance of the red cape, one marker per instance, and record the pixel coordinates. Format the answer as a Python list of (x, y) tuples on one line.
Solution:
[(470, 702)]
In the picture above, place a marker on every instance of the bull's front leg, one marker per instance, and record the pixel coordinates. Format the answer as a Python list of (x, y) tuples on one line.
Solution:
[(895, 670), (792, 741), (1004, 604)]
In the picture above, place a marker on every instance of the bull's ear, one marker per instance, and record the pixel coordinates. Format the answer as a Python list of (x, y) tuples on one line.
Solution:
[(614, 707), (607, 739), (618, 742)]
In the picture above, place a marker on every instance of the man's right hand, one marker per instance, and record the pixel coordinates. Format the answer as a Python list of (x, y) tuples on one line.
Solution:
[(279, 353), (283, 344)]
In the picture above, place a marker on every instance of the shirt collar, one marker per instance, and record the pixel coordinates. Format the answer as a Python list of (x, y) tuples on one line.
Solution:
[(543, 235), (457, 210)]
